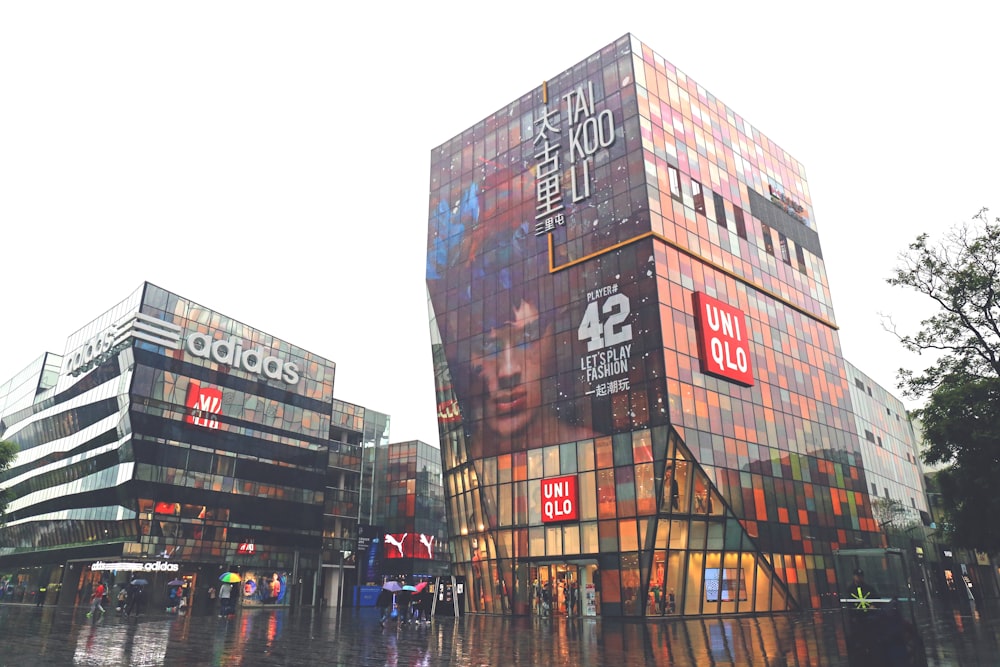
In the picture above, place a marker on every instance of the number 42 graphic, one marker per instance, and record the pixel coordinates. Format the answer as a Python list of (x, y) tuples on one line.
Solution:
[(604, 333)]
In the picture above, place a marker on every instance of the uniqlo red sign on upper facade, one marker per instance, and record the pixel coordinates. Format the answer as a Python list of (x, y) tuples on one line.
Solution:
[(723, 340), (560, 500)]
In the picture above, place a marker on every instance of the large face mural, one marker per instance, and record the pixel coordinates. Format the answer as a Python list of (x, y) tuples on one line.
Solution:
[(540, 274)]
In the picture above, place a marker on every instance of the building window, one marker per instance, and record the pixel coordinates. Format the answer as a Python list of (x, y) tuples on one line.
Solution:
[(720, 209), (879, 440), (886, 488), (768, 240), (860, 385), (783, 244), (800, 257), (869, 436), (913, 501), (874, 489), (675, 181), (699, 196), (741, 226)]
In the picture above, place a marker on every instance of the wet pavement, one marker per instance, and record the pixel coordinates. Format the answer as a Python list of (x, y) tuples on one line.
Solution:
[(56, 636)]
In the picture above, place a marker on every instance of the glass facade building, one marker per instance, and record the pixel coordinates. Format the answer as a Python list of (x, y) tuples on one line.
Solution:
[(889, 449), (175, 440), (409, 512), (642, 402)]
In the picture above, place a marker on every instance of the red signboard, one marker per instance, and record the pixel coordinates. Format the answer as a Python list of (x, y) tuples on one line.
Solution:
[(723, 340), (409, 545), (246, 548), (560, 500), (204, 404)]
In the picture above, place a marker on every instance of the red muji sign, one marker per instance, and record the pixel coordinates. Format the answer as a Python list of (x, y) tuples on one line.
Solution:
[(560, 501), (723, 340)]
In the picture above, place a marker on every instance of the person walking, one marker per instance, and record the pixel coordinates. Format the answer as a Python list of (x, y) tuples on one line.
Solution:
[(225, 598), (95, 600), (40, 597), (212, 595), (383, 602)]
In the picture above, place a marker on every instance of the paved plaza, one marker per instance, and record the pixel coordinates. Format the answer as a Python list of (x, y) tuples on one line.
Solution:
[(56, 636)]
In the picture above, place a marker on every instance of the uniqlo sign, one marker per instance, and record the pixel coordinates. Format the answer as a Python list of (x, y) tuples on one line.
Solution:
[(560, 500), (723, 341), (204, 403)]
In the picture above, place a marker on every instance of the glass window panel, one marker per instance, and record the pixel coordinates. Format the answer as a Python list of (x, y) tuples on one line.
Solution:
[(568, 458), (605, 458), (551, 461), (535, 467), (608, 534), (588, 538), (628, 536), (536, 541), (553, 541), (606, 503), (585, 455), (571, 539), (506, 505), (587, 488)]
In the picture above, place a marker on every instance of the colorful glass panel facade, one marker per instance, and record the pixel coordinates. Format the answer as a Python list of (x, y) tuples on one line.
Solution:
[(569, 234)]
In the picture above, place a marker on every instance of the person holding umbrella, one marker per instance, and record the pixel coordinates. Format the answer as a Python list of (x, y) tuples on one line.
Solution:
[(383, 602), (424, 600), (227, 606), (387, 597), (134, 596), (404, 600), (176, 594)]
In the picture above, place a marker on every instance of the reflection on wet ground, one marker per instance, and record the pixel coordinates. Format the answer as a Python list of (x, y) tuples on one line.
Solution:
[(50, 636)]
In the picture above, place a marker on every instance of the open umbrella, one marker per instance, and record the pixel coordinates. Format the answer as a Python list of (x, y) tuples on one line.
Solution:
[(175, 582), (421, 586), (411, 589), (139, 582), (229, 578), (392, 586)]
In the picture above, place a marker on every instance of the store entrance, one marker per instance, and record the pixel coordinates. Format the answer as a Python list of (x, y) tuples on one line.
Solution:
[(565, 589)]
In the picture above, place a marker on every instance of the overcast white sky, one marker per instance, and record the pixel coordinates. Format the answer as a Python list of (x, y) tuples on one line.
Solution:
[(270, 160)]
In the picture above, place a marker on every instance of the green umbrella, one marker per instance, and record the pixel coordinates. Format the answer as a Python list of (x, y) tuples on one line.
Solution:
[(229, 578)]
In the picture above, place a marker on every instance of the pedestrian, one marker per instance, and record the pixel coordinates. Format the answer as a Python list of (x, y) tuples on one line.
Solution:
[(140, 599), (383, 602), (95, 600), (225, 600), (40, 597), (425, 600), (131, 595), (403, 600), (212, 594)]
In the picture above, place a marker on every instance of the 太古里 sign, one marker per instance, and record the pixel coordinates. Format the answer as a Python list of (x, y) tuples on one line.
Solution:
[(560, 499), (723, 343)]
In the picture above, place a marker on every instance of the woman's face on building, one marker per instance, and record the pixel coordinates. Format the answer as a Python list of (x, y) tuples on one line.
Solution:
[(510, 363)]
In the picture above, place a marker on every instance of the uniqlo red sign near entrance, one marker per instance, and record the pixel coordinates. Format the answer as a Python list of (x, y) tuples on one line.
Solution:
[(723, 340), (560, 501)]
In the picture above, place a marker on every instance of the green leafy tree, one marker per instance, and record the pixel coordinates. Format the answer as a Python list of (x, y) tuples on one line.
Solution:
[(961, 416), (8, 452)]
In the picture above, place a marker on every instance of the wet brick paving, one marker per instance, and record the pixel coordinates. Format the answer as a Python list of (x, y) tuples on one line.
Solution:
[(58, 636)]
